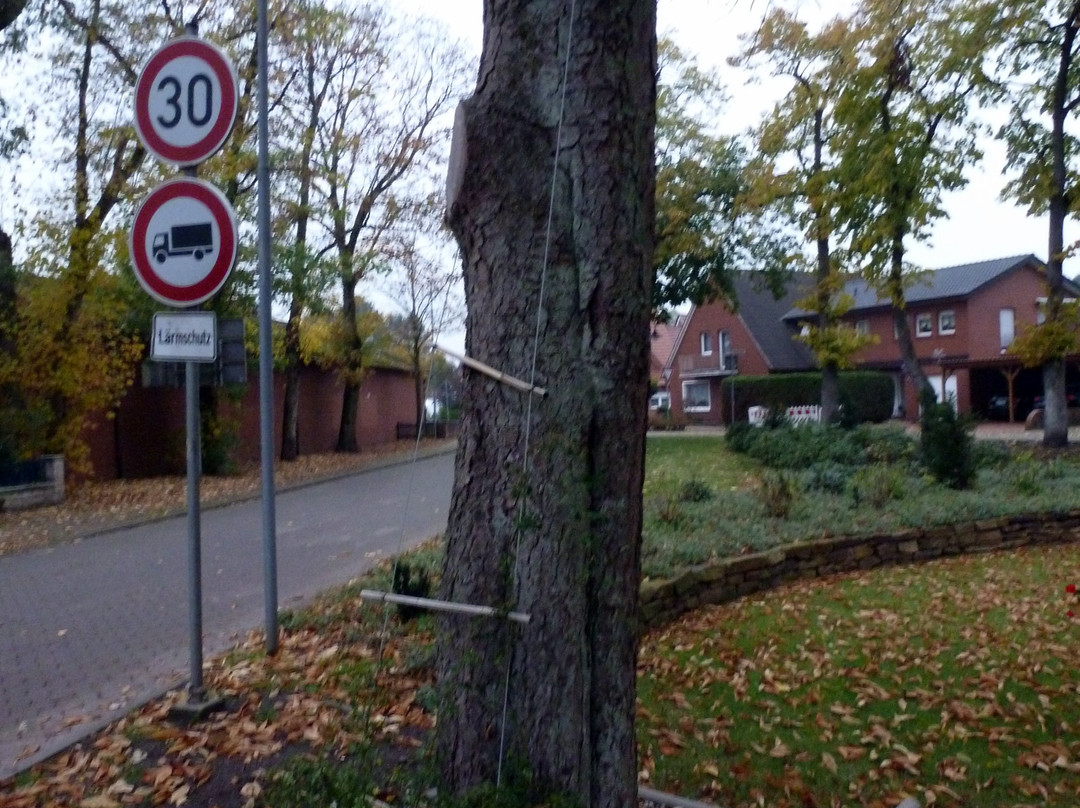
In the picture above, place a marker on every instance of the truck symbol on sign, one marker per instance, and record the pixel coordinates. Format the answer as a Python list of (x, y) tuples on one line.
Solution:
[(184, 239)]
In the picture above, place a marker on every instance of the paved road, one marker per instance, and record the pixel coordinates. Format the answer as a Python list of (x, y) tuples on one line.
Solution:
[(91, 629)]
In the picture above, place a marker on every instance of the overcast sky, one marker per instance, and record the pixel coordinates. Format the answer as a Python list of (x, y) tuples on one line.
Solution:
[(979, 225)]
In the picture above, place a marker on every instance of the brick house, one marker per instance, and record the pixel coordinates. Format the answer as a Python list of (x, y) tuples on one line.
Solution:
[(962, 319)]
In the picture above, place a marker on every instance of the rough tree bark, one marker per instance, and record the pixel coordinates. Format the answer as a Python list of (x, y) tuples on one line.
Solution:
[(1056, 414), (577, 507)]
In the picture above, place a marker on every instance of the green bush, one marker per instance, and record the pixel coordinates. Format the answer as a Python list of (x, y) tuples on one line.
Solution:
[(830, 477), (695, 491), (778, 493), (800, 447), (989, 454), (304, 782), (666, 421), (945, 445), (878, 484), (866, 396), (887, 444), (416, 585), (740, 436)]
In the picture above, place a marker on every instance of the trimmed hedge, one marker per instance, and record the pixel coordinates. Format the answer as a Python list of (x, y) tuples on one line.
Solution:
[(864, 395)]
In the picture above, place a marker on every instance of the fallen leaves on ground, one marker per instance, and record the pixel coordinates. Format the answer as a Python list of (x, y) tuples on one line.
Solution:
[(92, 506), (953, 682), (318, 694)]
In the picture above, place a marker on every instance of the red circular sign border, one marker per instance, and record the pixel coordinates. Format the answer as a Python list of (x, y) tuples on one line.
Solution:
[(219, 63), (155, 286)]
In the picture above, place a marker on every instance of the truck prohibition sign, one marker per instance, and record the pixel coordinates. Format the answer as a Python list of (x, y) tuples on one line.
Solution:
[(195, 240), (183, 242)]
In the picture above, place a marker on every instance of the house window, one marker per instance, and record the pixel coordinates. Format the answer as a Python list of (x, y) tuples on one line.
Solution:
[(727, 360), (946, 322), (1006, 327), (924, 325), (695, 396), (862, 327), (706, 343)]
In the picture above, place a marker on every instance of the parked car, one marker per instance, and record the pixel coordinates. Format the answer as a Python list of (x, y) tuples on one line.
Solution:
[(1072, 399), (997, 408)]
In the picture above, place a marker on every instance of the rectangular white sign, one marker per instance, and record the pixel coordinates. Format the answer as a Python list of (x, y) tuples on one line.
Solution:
[(184, 336)]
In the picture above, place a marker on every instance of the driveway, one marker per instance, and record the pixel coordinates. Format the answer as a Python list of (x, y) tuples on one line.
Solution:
[(91, 629)]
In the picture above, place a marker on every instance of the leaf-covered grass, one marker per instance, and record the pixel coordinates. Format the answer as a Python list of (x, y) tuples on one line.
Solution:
[(952, 682), (827, 499)]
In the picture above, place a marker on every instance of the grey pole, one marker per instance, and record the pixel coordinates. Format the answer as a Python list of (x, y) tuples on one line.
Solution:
[(266, 364), (196, 693)]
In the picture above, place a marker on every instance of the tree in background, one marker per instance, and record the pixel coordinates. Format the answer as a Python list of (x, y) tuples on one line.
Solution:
[(314, 52), (423, 284), (382, 122), (68, 326), (703, 235), (795, 172), (905, 133), (1044, 57), (546, 510)]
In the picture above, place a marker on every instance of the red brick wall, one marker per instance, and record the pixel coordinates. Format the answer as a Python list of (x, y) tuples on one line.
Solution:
[(147, 437)]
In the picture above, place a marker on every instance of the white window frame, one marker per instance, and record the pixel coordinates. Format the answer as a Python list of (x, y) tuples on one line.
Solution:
[(941, 327), (706, 343), (1006, 334), (708, 396), (862, 327), (924, 319)]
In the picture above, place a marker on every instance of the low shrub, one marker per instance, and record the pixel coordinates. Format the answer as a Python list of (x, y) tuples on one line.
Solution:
[(413, 582), (666, 421), (695, 491), (778, 493), (945, 445), (878, 484), (800, 447), (304, 782), (887, 444), (829, 477)]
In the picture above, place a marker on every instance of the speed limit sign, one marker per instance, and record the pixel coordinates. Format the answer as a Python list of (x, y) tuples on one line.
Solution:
[(185, 101)]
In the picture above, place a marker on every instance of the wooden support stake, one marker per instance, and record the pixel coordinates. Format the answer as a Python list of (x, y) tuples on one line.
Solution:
[(488, 370), (442, 605)]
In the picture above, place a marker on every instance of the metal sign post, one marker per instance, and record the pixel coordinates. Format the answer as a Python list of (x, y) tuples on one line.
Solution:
[(183, 245)]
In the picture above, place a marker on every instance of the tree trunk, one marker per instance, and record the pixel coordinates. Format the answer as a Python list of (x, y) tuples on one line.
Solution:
[(352, 368), (908, 360), (830, 381), (418, 380), (7, 295), (1055, 412), (290, 418), (546, 513), (290, 412)]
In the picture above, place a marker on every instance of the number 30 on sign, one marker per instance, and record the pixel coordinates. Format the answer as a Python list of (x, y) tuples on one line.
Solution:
[(185, 101)]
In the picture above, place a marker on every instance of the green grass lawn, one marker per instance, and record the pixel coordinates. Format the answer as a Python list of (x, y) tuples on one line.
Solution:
[(954, 682)]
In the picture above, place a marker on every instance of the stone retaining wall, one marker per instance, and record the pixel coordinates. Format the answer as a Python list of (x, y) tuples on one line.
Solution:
[(731, 578)]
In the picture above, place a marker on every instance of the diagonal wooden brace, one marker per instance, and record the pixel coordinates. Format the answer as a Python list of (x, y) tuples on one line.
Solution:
[(488, 370), (442, 605)]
